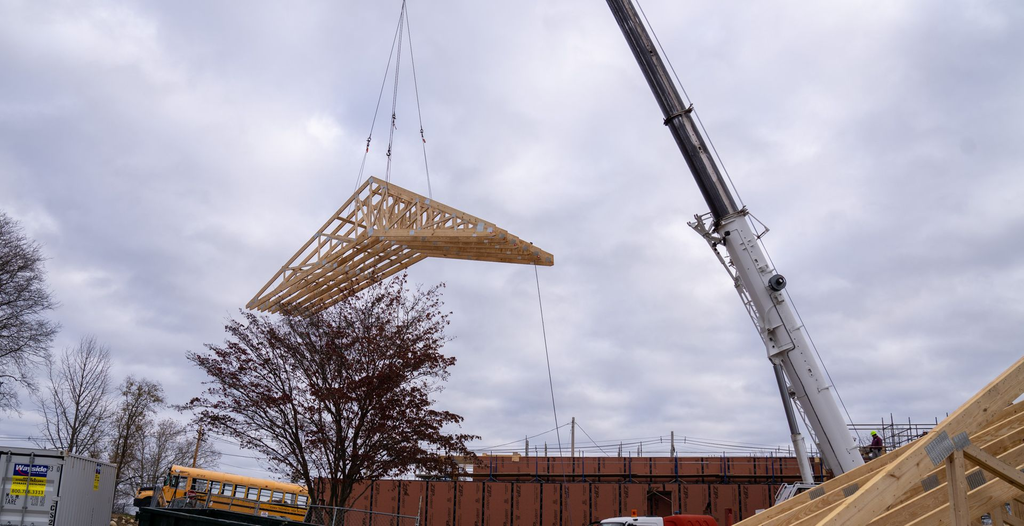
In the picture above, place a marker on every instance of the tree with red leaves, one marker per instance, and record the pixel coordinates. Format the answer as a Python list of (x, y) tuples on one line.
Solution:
[(339, 396)]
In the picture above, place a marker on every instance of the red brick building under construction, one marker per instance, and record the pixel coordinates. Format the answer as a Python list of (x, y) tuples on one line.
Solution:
[(558, 491)]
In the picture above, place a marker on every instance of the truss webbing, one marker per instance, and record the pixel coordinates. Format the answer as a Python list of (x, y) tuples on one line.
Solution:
[(380, 231)]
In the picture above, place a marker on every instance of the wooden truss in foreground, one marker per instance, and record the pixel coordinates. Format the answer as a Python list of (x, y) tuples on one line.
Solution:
[(380, 231), (968, 466)]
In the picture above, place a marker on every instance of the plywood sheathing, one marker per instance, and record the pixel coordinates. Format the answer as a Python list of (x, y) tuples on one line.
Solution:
[(380, 231), (979, 448)]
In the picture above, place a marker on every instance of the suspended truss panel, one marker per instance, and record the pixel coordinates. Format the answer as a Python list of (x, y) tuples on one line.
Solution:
[(967, 466), (380, 231)]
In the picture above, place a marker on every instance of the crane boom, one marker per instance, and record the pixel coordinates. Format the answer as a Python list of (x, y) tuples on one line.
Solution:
[(729, 231)]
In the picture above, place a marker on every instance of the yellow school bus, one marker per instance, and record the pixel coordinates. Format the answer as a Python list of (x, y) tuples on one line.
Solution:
[(203, 488)]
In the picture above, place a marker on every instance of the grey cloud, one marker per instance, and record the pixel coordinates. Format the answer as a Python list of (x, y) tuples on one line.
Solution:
[(163, 155)]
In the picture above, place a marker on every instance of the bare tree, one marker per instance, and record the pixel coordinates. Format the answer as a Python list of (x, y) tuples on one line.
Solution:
[(76, 404), (341, 396), (25, 333), (166, 443), (139, 400)]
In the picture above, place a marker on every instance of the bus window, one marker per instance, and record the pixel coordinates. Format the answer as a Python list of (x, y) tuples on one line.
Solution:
[(239, 491), (227, 488), (264, 495), (252, 493), (200, 485), (181, 481), (289, 498), (277, 496), (302, 500), (215, 488)]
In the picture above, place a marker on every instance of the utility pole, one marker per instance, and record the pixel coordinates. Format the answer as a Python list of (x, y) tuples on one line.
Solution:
[(527, 448), (672, 442), (572, 439), (199, 438)]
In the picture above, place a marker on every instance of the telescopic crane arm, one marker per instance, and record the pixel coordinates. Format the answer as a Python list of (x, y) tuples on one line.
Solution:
[(732, 236)]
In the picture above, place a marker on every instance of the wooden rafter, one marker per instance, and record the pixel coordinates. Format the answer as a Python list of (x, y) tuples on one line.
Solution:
[(380, 231), (974, 456)]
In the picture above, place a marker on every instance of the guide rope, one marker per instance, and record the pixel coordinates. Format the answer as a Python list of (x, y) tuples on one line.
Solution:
[(551, 386)]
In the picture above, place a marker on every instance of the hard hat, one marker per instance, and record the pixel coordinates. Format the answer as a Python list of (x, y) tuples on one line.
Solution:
[(873, 433)]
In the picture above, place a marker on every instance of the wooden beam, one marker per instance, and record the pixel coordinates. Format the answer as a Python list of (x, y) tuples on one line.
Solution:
[(956, 475), (980, 500), (888, 484), (995, 466), (937, 496), (998, 514)]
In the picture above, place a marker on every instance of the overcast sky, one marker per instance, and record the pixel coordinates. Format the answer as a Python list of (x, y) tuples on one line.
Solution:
[(171, 156)]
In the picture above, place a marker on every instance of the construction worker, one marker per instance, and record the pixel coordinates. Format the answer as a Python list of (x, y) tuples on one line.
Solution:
[(875, 449)]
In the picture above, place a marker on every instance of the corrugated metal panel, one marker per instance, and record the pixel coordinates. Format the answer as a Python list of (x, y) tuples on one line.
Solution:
[(605, 499), (469, 503), (30, 484), (45, 487), (86, 492), (526, 505)]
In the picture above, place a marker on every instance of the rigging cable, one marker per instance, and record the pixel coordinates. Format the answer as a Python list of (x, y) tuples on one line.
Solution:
[(592, 440), (419, 112), (394, 94), (380, 96)]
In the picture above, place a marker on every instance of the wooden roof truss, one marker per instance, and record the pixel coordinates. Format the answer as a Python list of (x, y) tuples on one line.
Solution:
[(380, 231), (967, 466)]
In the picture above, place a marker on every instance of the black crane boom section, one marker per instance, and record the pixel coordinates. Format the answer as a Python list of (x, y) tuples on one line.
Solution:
[(677, 116)]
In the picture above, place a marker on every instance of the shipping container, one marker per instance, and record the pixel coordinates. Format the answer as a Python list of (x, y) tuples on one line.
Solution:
[(43, 487)]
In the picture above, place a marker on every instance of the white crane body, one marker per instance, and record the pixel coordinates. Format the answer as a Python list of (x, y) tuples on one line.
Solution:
[(759, 285)]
